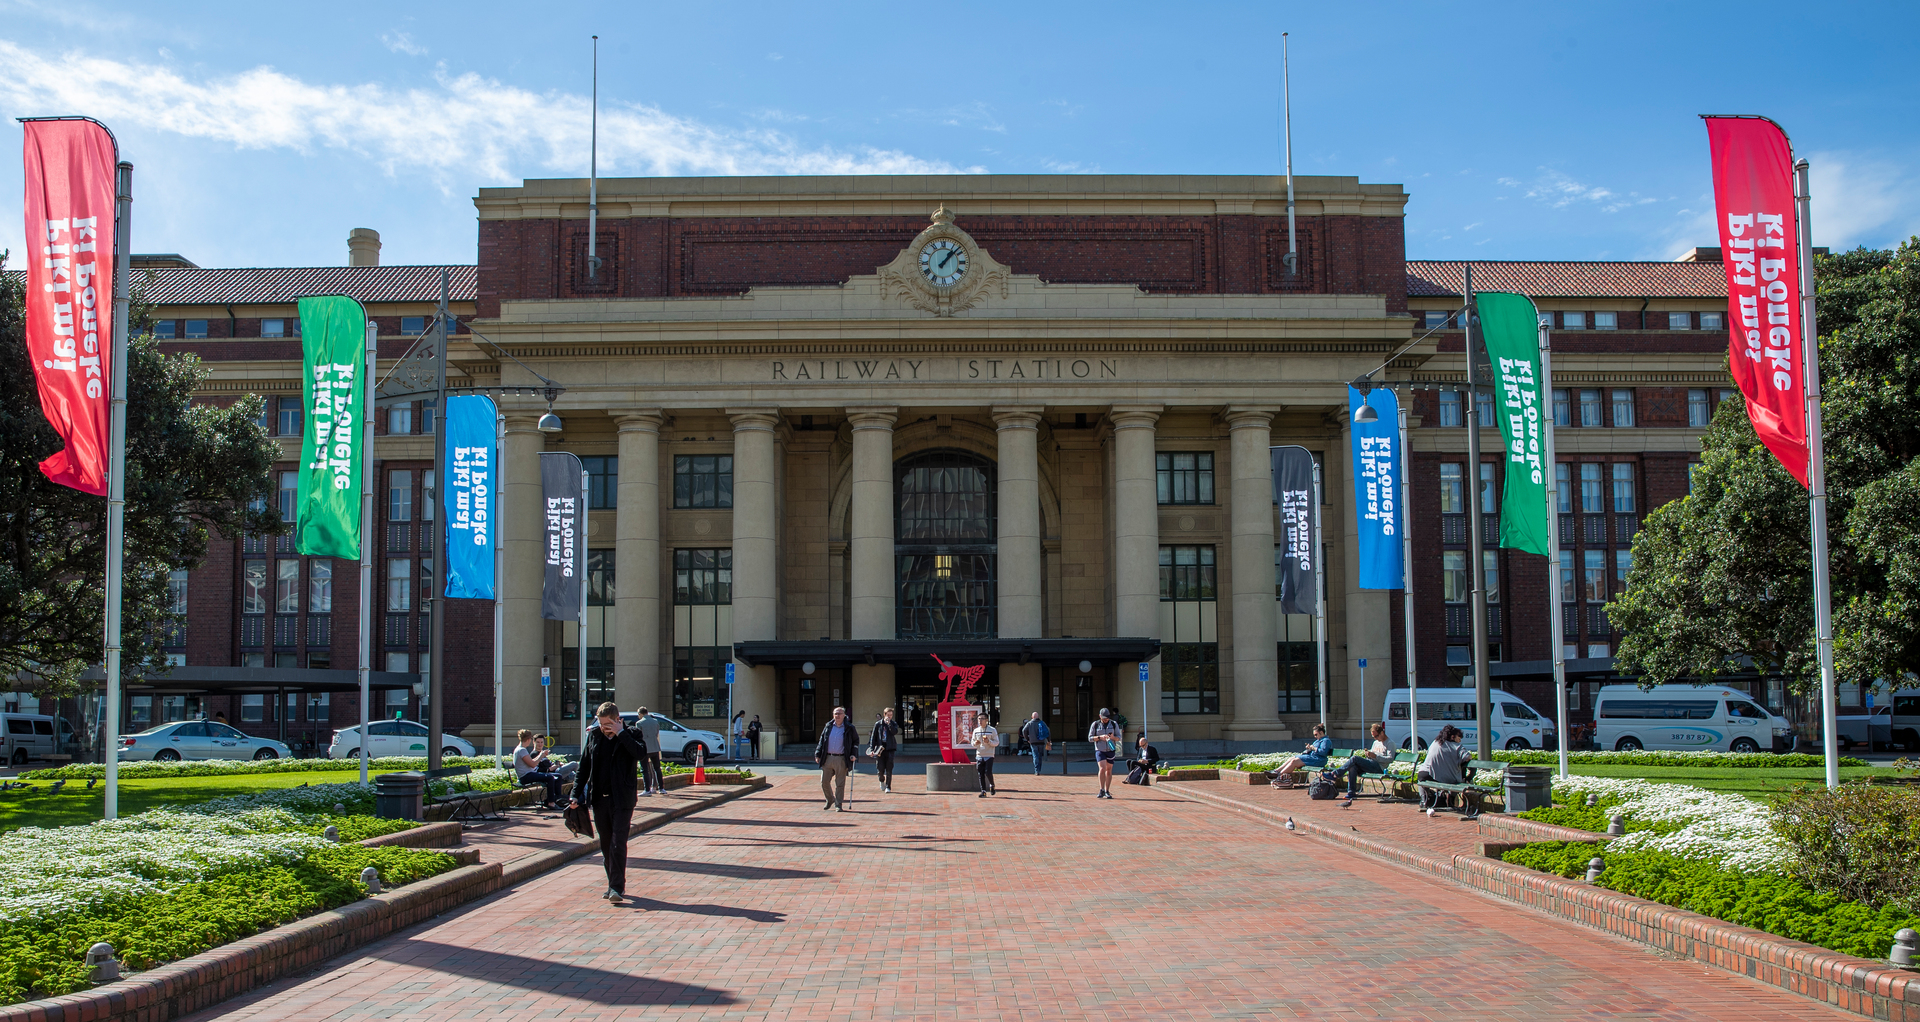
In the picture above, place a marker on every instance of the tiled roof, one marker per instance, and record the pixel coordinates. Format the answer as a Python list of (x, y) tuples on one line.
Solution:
[(1543, 279), (282, 284)]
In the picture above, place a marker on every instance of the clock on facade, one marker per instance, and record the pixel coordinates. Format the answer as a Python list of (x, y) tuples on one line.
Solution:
[(943, 262)]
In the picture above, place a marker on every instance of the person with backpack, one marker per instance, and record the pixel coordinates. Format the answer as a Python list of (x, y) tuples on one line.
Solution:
[(1034, 732), (1314, 755), (1104, 736), (1146, 758)]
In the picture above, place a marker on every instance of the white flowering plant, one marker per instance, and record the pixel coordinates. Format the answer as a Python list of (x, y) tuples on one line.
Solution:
[(1679, 820)]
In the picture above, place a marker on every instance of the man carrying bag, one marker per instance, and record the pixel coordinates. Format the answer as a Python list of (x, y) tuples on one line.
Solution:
[(1035, 736)]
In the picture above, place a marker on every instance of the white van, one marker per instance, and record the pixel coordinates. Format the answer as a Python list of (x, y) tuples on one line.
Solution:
[(25, 736), (1515, 724), (1906, 719), (1677, 717)]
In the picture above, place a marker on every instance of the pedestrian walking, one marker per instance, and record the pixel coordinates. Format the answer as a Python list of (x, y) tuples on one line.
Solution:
[(985, 740), (839, 741), (882, 744), (609, 771), (915, 712), (653, 783), (1104, 735), (753, 737), (739, 736), (1039, 740)]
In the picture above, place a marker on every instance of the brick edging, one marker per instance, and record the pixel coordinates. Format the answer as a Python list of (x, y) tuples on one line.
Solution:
[(193, 984), (1863, 986)]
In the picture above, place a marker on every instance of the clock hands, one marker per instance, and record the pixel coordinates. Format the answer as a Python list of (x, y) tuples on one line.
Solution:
[(944, 260)]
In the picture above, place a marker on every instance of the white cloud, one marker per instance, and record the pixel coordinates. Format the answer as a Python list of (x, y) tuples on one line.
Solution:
[(1861, 201), (463, 127), (1558, 190), (402, 42), (1053, 166), (776, 56)]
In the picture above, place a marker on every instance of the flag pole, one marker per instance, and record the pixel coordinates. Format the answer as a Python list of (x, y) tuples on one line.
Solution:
[(1816, 479), (1320, 601), (1476, 529), (580, 565), (1406, 558), (437, 579), (1292, 258), (117, 473), (1555, 609), (366, 537), (499, 594)]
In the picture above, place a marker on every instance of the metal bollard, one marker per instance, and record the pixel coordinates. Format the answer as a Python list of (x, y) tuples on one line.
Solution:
[(332, 833), (1617, 826), (1595, 867), (1905, 944), (1593, 800), (339, 809), (100, 959), (371, 877)]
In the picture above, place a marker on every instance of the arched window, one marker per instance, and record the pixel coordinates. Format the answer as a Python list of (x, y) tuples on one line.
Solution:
[(945, 533)]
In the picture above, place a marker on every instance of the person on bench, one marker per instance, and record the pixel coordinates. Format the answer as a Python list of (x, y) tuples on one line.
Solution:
[(1446, 763), (1373, 761), (526, 766), (1314, 755)]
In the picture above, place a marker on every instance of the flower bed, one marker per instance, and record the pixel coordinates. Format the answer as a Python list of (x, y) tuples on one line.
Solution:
[(1689, 758), (163, 885), (216, 767), (1707, 852)]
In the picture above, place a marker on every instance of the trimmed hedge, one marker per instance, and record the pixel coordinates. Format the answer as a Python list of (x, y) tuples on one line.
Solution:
[(1775, 904), (140, 769)]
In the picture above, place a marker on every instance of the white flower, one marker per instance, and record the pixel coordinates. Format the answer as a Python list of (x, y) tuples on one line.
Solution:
[(1728, 829)]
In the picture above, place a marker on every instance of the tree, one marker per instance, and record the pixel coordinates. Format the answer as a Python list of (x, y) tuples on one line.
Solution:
[(190, 469), (1724, 576)]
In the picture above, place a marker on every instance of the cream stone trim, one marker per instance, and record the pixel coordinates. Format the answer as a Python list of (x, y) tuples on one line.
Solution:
[(981, 274)]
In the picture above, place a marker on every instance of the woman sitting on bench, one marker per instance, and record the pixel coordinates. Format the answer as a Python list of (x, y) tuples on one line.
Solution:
[(1446, 763), (1373, 761), (1314, 755)]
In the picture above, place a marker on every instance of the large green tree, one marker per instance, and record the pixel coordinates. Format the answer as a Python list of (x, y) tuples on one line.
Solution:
[(1724, 576), (190, 469)]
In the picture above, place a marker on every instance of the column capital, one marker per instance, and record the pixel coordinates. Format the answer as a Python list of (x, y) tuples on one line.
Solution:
[(639, 420), (872, 418), (766, 420), (522, 423), (1249, 417), (1017, 416), (1134, 416)]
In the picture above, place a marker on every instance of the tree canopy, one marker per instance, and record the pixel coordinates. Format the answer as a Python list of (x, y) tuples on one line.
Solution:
[(191, 469), (1726, 573)]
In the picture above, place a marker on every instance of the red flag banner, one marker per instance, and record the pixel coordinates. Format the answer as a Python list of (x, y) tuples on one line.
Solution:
[(70, 211), (1753, 200)]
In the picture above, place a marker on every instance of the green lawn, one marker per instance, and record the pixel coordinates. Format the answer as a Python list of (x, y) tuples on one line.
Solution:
[(1743, 780), (75, 804)]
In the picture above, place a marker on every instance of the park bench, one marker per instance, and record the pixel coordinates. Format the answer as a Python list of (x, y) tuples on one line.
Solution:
[(1304, 775), (1471, 794), (464, 811), (1383, 784)]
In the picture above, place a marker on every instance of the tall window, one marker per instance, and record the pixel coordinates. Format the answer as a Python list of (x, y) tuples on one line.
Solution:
[(603, 482), (1623, 408), (945, 546), (289, 496), (1483, 410), (1595, 583), (290, 417), (426, 418), (1566, 576), (1190, 653), (1622, 567), (253, 587), (1455, 586), (1489, 502), (1592, 497), (1562, 407), (1699, 411), (1563, 487), (703, 480), (1623, 487), (400, 419), (1299, 677), (1453, 493), (286, 586), (598, 629), (1184, 477), (428, 498), (399, 584), (1590, 408), (702, 633), (400, 496), (320, 586), (1490, 569), (177, 591), (1450, 414)]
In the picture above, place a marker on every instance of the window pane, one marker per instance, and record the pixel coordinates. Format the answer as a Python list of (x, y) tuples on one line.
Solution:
[(1590, 493), (253, 587), (196, 328), (412, 325), (400, 496), (399, 420), (1712, 321), (1488, 502), (1490, 564), (286, 587), (399, 584), (1698, 411), (1450, 414), (427, 496), (290, 418), (273, 328), (1566, 576), (1590, 408), (1623, 408), (1563, 487), (1453, 576), (1604, 320), (177, 591), (1595, 570), (320, 586), (289, 496), (1622, 487), (1562, 407), (1622, 566), (1679, 321), (1453, 497), (1573, 321)]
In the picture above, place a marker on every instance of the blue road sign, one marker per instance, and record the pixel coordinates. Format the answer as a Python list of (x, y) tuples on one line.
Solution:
[(546, 676), (1143, 670), (1363, 663), (729, 674)]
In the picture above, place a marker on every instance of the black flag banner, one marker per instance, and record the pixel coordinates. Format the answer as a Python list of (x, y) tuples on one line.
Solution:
[(1293, 492), (564, 508)]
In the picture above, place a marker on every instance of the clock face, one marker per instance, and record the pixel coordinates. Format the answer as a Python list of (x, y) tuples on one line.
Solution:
[(943, 262)]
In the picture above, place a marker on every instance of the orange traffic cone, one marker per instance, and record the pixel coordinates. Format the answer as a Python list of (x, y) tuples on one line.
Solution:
[(700, 764)]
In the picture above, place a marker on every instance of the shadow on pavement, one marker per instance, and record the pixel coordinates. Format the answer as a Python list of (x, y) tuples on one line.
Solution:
[(599, 986), (715, 869), (754, 915)]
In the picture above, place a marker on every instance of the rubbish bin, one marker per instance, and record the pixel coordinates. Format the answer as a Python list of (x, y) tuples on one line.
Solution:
[(1529, 786), (398, 796)]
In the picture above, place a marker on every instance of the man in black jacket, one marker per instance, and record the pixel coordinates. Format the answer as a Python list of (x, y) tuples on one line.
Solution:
[(839, 743), (608, 784)]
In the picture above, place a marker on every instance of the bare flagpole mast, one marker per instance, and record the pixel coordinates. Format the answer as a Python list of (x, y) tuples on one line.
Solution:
[(117, 473), (1286, 105), (1476, 527), (593, 172), (1816, 480), (1555, 608), (371, 373), (436, 601)]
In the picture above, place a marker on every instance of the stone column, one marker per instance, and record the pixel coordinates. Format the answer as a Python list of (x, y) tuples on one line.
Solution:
[(636, 564), (1256, 678), (1020, 613), (522, 700), (871, 539), (755, 555), (1136, 560)]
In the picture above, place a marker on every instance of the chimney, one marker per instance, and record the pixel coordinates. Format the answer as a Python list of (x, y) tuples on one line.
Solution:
[(363, 247), (1700, 255)]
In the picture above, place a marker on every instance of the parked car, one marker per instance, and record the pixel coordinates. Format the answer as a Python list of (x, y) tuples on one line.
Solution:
[(1906, 719), (1872, 728), (1515, 724), (1678, 717), (678, 740), (393, 738), (28, 736), (197, 739)]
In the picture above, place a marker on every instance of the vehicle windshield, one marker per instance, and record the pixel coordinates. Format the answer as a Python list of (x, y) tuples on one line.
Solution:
[(154, 730), (1520, 711)]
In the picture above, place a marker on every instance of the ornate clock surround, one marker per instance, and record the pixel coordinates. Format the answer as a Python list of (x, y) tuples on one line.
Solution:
[(902, 278)]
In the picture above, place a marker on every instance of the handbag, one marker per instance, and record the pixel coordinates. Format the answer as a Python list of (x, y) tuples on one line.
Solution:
[(579, 820)]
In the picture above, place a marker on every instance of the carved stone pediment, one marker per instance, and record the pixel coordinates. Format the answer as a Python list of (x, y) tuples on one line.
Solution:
[(909, 278)]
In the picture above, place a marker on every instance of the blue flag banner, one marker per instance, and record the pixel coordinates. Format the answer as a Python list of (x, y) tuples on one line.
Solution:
[(1376, 487), (471, 497)]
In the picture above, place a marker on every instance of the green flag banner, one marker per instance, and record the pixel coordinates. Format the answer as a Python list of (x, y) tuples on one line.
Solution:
[(334, 334), (1510, 326)]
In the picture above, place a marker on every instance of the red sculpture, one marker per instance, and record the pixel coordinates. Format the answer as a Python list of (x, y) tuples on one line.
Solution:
[(966, 678)]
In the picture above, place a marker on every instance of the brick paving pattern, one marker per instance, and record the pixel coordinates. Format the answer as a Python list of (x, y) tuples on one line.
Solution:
[(1043, 903)]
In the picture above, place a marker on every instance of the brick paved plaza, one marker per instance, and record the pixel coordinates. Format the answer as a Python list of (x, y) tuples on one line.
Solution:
[(1042, 903)]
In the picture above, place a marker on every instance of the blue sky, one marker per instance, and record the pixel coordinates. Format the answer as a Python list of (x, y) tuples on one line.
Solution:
[(262, 133)]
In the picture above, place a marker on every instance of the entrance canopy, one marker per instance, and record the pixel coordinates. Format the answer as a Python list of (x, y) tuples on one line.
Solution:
[(832, 653), (254, 681)]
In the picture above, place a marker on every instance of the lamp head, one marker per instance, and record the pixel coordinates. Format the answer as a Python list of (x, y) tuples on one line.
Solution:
[(1366, 412), (549, 423)]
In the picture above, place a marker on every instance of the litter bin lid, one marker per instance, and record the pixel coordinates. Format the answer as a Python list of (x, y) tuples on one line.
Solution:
[(402, 781)]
